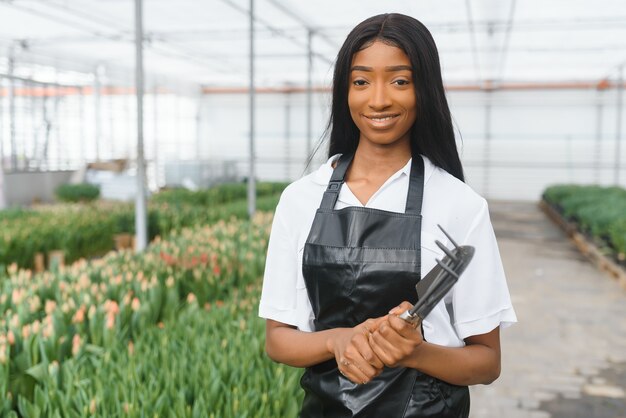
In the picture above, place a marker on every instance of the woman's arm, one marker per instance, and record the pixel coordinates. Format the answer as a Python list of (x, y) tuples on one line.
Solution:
[(397, 343), (349, 346)]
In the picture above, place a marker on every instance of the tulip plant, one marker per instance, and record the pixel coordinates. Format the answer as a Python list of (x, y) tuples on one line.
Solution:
[(87, 230), (129, 333)]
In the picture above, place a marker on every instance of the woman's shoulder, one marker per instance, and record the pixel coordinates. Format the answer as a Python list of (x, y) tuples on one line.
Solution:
[(301, 198), (448, 199), (301, 192), (307, 190)]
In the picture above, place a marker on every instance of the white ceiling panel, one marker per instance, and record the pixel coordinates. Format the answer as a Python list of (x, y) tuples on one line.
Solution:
[(207, 42)]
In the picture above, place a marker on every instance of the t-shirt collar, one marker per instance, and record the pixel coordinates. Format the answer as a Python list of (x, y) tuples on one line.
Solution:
[(322, 175)]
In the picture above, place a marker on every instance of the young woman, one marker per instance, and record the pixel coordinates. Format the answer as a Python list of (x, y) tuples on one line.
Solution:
[(350, 241)]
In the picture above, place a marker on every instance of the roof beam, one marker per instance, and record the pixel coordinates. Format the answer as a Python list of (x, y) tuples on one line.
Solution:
[(314, 29), (505, 43), (276, 31), (473, 42)]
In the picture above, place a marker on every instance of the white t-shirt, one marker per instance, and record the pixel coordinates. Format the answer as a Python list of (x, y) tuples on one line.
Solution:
[(478, 302)]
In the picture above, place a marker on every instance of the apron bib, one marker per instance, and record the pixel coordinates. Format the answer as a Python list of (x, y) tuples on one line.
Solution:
[(358, 263)]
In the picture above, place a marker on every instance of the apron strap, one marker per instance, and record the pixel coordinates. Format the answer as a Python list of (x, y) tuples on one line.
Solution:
[(336, 180), (416, 186)]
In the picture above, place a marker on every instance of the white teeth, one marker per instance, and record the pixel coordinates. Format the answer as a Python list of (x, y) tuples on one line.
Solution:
[(381, 119)]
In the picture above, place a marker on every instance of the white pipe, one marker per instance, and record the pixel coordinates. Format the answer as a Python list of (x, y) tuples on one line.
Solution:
[(252, 171), (141, 218)]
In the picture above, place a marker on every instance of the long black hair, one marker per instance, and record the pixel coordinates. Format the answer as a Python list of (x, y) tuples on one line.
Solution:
[(432, 133)]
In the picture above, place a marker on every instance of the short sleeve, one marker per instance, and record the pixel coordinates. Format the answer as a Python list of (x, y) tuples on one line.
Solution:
[(480, 299), (279, 296)]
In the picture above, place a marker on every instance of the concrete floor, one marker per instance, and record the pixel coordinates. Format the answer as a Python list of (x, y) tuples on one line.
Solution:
[(567, 355)]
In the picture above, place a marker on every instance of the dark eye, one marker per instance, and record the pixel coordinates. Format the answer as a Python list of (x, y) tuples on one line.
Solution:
[(359, 82), (402, 82)]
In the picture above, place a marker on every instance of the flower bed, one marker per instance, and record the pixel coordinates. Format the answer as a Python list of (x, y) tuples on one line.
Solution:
[(211, 363), (77, 192), (88, 230), (217, 195), (52, 319), (599, 212)]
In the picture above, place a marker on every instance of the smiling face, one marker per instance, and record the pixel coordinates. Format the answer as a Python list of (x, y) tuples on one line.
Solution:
[(381, 96)]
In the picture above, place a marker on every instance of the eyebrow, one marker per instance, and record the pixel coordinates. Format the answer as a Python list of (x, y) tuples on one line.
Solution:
[(389, 68)]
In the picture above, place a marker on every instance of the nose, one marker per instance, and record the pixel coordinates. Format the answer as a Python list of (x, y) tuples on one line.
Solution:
[(379, 98)]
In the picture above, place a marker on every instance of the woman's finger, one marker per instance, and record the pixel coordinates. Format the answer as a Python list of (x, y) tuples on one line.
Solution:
[(385, 351), (353, 372), (362, 345), (353, 355), (372, 324), (405, 329), (401, 308)]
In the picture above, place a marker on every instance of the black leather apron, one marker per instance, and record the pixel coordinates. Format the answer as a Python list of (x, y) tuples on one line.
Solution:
[(358, 263)]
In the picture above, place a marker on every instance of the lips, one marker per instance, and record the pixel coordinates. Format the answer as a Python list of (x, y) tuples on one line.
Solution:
[(381, 121)]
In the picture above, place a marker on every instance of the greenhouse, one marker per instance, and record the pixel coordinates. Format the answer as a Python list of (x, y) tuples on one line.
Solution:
[(145, 146)]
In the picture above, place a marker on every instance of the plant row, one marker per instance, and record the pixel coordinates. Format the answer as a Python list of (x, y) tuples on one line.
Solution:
[(210, 364), (88, 230), (217, 195), (82, 192), (599, 212), (55, 317)]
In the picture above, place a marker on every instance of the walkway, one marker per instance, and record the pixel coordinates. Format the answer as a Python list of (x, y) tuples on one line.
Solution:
[(567, 355)]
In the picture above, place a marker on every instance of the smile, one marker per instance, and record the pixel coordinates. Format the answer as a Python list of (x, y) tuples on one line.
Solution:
[(382, 121), (380, 118)]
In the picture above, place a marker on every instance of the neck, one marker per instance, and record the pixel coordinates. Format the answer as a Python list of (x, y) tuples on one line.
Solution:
[(375, 160)]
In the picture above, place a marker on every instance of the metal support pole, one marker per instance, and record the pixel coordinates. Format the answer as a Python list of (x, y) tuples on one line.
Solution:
[(57, 124), (252, 172), (198, 130), (618, 127), (487, 147), (177, 129), (81, 125), (113, 103), (309, 93), (125, 135), (155, 138), (598, 148), (30, 161), (141, 218), (3, 202), (97, 106), (48, 127), (12, 111), (1, 121), (287, 136)]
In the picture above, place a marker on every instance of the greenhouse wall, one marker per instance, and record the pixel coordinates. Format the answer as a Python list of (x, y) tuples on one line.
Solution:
[(26, 188), (513, 143)]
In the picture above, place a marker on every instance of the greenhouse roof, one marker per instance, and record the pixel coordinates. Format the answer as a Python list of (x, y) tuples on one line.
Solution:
[(481, 42)]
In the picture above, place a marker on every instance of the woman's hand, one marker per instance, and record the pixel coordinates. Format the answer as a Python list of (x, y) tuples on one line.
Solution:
[(393, 340), (353, 353)]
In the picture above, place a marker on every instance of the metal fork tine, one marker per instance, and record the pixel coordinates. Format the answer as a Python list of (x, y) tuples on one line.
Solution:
[(446, 250), (449, 237), (448, 269)]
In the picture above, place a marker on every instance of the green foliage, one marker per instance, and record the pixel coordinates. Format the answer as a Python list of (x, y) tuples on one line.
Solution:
[(217, 195), (617, 236), (77, 192), (64, 335), (210, 364), (599, 212), (87, 230), (78, 231)]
